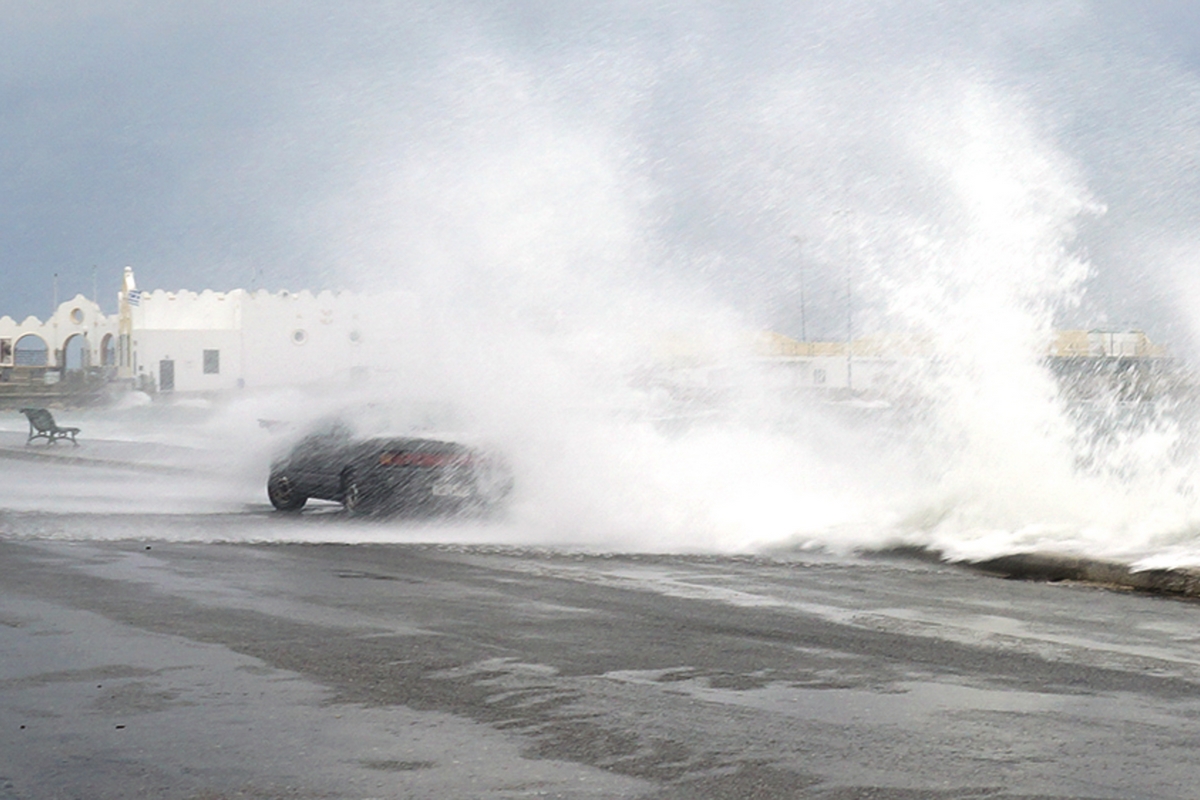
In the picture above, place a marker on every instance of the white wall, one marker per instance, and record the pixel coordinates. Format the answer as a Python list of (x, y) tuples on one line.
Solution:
[(186, 349), (830, 372), (272, 339), (302, 338), (183, 311)]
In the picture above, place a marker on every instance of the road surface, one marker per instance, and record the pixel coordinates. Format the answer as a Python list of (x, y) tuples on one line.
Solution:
[(159, 669)]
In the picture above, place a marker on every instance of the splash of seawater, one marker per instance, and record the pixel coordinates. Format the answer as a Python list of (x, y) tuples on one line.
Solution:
[(581, 223)]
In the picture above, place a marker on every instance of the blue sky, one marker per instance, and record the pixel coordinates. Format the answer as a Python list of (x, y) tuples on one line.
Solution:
[(305, 145)]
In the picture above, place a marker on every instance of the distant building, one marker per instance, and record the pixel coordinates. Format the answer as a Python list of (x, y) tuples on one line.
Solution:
[(1104, 344), (1087, 363), (35, 356), (211, 341), (1099, 364), (870, 363)]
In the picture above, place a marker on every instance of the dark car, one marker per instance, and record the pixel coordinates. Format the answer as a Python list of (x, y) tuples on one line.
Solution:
[(388, 474)]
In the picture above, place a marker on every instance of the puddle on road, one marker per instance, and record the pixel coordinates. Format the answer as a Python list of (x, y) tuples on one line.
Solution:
[(895, 704), (907, 704)]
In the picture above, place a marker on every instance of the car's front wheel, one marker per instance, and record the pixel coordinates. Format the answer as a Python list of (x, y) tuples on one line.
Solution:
[(354, 499), (282, 493)]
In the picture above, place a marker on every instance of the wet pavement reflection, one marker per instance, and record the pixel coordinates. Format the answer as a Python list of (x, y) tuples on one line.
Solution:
[(169, 669)]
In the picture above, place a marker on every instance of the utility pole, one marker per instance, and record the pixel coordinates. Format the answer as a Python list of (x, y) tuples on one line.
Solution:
[(849, 329), (803, 315), (845, 214), (54, 353)]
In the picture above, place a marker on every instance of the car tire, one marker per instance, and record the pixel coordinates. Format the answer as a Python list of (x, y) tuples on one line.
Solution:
[(282, 493)]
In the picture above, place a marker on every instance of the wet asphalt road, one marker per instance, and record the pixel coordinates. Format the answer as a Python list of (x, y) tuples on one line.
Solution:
[(167, 670)]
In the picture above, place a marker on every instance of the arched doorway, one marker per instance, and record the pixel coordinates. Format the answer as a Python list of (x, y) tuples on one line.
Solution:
[(30, 351), (76, 355), (108, 351)]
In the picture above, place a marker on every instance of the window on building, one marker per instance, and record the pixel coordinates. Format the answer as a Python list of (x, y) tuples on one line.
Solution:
[(212, 362), (818, 376)]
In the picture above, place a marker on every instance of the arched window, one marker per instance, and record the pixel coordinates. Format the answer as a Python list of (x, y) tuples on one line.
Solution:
[(75, 353), (108, 351), (30, 351)]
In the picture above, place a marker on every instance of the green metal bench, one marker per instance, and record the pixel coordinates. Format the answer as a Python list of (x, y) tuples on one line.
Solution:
[(43, 426)]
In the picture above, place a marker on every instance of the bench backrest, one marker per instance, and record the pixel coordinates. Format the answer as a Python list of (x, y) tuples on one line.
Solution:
[(40, 418)]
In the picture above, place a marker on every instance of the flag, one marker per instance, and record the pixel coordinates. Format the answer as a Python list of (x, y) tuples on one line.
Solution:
[(134, 297)]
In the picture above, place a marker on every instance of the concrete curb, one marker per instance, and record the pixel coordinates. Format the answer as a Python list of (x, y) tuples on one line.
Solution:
[(30, 454), (1051, 568)]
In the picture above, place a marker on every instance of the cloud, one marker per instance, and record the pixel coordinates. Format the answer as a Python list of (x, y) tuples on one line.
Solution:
[(276, 144)]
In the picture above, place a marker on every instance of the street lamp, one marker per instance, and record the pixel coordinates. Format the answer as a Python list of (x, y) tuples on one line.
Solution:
[(849, 329), (846, 214), (803, 315)]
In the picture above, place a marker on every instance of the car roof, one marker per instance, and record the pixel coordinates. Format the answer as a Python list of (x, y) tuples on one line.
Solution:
[(422, 443)]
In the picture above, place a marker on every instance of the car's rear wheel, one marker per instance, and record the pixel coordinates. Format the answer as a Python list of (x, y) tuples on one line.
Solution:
[(282, 493)]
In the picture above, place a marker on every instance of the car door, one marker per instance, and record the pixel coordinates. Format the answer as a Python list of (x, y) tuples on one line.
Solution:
[(316, 463)]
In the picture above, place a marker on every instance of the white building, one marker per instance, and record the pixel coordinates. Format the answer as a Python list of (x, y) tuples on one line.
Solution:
[(74, 337), (216, 341)]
